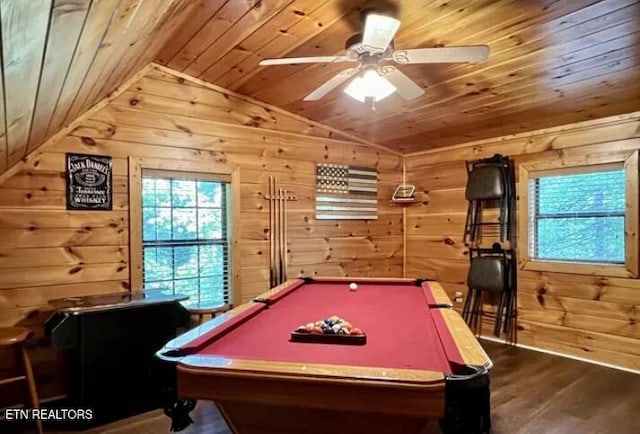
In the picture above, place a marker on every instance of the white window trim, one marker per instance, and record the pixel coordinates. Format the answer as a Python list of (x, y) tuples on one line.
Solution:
[(527, 171)]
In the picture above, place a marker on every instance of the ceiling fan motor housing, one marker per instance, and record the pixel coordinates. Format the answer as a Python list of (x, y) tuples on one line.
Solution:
[(356, 50)]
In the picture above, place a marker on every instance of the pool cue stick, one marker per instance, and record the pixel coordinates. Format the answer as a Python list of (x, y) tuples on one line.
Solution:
[(271, 235), (278, 246), (275, 232), (283, 253), (276, 273), (270, 232), (284, 236), (279, 236)]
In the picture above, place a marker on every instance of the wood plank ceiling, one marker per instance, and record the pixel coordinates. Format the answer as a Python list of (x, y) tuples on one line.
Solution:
[(552, 63), (60, 57)]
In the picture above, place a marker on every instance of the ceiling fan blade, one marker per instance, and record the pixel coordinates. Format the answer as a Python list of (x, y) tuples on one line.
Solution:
[(470, 53), (298, 60), (379, 31), (331, 84), (405, 87)]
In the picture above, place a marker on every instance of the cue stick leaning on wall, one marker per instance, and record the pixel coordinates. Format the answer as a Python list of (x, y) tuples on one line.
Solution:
[(285, 236), (279, 232), (276, 233), (282, 201), (272, 255), (278, 227), (278, 236)]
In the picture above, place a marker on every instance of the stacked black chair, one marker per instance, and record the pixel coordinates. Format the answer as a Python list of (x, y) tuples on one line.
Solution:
[(492, 270), (491, 184), (490, 180)]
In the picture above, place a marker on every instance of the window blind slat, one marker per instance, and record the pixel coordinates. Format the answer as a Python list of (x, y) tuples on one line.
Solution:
[(578, 217), (185, 239)]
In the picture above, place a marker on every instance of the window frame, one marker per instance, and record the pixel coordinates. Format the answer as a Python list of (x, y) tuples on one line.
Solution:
[(190, 170), (576, 165)]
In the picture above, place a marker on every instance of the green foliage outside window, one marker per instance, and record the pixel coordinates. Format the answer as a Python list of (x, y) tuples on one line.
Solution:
[(579, 217), (185, 245)]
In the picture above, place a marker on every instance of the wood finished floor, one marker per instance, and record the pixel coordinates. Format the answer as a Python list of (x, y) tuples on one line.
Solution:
[(531, 392)]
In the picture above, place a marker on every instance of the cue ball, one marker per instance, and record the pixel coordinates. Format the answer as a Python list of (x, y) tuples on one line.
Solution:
[(353, 286)]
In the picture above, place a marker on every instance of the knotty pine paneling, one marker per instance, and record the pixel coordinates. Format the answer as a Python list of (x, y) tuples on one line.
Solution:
[(60, 57), (49, 252), (551, 63), (594, 317)]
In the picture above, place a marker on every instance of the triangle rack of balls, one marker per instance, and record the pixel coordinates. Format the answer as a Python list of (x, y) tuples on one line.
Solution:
[(329, 330)]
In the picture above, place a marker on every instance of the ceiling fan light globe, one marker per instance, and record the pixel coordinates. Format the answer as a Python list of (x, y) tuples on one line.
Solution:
[(369, 85)]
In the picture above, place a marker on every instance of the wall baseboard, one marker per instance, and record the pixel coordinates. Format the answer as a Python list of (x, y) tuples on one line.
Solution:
[(555, 353)]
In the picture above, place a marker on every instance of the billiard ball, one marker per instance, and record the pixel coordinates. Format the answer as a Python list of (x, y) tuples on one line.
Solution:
[(353, 286)]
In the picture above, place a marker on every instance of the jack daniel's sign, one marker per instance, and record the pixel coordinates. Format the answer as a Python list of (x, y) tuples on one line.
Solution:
[(89, 182)]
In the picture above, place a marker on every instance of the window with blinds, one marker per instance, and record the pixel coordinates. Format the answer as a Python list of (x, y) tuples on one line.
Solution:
[(578, 217), (185, 237)]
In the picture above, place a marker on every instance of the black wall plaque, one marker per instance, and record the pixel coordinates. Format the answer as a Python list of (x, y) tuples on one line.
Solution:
[(89, 182)]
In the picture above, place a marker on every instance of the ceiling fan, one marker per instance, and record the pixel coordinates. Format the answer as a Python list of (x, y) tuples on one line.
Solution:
[(373, 78)]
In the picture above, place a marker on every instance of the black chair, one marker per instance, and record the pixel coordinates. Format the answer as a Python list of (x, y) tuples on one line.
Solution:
[(489, 180), (492, 270)]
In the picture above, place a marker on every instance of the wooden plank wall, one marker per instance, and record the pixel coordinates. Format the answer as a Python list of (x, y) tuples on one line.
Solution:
[(594, 317), (48, 252)]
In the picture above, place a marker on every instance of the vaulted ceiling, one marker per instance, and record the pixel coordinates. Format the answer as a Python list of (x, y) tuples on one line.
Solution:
[(60, 57), (552, 62)]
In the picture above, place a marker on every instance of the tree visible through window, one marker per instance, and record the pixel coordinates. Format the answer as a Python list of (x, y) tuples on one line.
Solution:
[(184, 237), (578, 217)]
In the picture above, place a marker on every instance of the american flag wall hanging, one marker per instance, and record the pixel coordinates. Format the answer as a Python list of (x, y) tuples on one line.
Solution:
[(346, 192)]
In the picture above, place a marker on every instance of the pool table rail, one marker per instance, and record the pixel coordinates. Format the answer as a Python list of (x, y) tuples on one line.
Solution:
[(292, 284), (340, 393), (470, 349), (285, 286), (173, 350), (309, 372), (439, 294), (467, 344)]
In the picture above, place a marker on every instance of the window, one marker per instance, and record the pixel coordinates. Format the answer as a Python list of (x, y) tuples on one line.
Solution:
[(579, 218), (185, 236)]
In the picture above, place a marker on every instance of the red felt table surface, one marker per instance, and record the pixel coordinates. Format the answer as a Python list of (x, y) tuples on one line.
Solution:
[(402, 330)]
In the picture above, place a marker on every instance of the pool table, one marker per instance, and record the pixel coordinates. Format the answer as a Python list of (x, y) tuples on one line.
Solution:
[(420, 362)]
